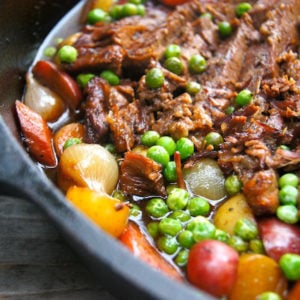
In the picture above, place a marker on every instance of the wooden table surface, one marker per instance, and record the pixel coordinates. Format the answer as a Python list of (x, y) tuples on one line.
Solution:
[(35, 261)]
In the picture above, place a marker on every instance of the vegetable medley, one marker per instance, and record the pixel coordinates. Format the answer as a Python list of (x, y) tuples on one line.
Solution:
[(174, 126)]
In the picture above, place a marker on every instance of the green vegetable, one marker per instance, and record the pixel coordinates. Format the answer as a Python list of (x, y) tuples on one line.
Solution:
[(174, 65), (67, 54), (246, 229), (243, 98), (159, 154), (185, 147), (221, 236), (232, 185), (111, 77), (172, 50), (290, 265), (193, 87), (50, 51), (97, 15), (128, 9), (288, 195), (214, 138), (229, 110), (182, 258), (238, 243), (155, 78), (186, 239), (242, 8), (149, 138), (198, 206), (169, 226), (135, 210), (141, 10), (197, 64), (83, 79), (167, 244), (256, 246), (177, 199), (116, 12), (168, 143), (169, 171), (225, 29), (203, 231), (71, 142), (153, 230), (288, 179), (180, 215), (268, 296), (207, 15), (287, 214), (156, 207)]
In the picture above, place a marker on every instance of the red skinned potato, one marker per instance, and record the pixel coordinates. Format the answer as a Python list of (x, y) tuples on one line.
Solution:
[(38, 136), (212, 266), (48, 74), (279, 238), (137, 243)]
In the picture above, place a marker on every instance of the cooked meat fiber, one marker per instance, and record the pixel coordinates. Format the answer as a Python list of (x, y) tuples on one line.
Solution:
[(261, 55)]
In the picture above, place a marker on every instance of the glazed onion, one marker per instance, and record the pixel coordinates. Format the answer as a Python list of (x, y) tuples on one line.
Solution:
[(88, 165), (206, 179), (43, 101)]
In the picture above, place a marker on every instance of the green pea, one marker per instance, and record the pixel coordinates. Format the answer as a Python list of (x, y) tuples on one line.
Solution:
[(83, 79), (242, 8), (203, 231), (136, 2), (288, 195), (197, 64), (172, 50), (169, 226), (284, 147), (243, 98), (185, 147), (111, 77), (290, 265), (169, 171), (256, 246), (196, 220), (153, 230), (111, 148), (229, 110), (118, 194), (141, 10), (222, 236), (287, 214), (135, 211), (170, 188), (96, 15), (232, 185), (71, 142), (288, 179), (180, 215), (50, 51), (193, 87), (246, 229), (207, 15), (159, 154), (174, 65), (149, 138), (214, 138), (238, 243), (156, 207), (168, 143), (67, 54), (182, 258), (225, 29), (155, 78), (177, 199), (116, 12), (198, 206), (128, 9), (167, 244), (186, 239), (268, 296)]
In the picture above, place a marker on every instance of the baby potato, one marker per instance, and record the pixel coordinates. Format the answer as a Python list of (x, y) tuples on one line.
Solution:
[(107, 212), (234, 209)]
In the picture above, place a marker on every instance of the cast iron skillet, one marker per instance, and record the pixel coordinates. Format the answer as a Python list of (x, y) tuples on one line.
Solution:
[(23, 26)]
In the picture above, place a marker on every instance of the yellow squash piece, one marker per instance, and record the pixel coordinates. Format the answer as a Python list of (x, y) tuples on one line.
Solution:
[(109, 213)]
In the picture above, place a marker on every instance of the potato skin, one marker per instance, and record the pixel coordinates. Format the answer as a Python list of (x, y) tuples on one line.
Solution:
[(212, 266)]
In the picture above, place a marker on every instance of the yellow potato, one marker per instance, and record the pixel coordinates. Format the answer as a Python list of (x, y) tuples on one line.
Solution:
[(231, 211), (107, 212), (257, 273)]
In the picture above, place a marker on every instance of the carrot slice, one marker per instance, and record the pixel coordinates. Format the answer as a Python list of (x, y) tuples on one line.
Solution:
[(38, 135), (136, 242), (48, 74)]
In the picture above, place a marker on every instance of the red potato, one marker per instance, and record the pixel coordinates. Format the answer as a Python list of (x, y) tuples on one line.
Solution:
[(279, 238), (212, 266), (60, 82), (137, 243), (38, 136)]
